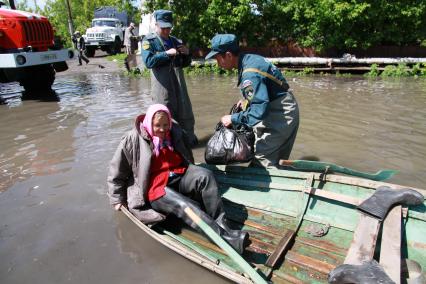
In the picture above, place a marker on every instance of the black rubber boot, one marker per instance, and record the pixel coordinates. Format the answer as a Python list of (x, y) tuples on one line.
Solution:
[(369, 272), (384, 198), (175, 203), (223, 223), (238, 242), (237, 239)]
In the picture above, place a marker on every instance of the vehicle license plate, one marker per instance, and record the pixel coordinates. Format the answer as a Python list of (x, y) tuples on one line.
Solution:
[(47, 57), (94, 43)]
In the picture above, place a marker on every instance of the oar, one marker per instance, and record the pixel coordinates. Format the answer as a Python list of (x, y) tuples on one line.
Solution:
[(225, 246), (324, 166)]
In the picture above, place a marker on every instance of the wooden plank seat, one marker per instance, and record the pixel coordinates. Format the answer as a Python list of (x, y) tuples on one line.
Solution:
[(390, 250), (364, 242)]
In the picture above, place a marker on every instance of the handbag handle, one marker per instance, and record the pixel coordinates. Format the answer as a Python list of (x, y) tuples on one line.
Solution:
[(219, 126), (235, 109)]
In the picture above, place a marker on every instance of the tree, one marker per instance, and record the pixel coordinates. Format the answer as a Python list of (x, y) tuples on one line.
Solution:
[(321, 24)]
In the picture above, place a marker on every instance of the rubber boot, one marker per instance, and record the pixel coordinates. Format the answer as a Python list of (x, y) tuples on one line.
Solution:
[(384, 198), (223, 223), (175, 203), (238, 242), (369, 272)]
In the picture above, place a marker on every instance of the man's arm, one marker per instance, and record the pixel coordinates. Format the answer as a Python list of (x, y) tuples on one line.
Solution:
[(151, 57), (257, 93)]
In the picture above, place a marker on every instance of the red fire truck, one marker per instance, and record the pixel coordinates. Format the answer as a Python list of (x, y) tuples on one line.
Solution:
[(28, 53)]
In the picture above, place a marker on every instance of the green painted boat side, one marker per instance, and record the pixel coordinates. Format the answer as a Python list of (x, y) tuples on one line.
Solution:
[(266, 203)]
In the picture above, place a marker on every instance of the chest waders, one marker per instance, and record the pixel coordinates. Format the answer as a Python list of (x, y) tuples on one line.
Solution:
[(276, 133), (168, 87)]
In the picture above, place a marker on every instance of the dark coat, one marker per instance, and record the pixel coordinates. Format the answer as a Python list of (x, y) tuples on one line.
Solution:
[(129, 170), (79, 43)]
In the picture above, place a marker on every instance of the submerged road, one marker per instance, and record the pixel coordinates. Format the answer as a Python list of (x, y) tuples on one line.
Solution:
[(56, 225)]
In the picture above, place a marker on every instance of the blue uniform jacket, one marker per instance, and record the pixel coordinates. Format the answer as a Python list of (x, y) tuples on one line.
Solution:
[(154, 52), (257, 89)]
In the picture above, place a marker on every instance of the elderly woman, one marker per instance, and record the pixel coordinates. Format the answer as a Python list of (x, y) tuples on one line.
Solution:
[(153, 174)]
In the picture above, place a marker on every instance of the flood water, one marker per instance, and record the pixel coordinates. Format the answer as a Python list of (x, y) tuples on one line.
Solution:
[(56, 225)]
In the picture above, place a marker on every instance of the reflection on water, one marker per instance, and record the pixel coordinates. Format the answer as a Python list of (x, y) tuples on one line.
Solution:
[(40, 136), (54, 157)]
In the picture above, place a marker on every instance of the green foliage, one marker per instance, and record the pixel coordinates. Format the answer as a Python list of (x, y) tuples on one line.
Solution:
[(137, 73), (401, 70), (321, 24), (343, 75), (374, 71), (289, 73), (208, 69), (117, 57), (307, 71), (419, 69), (22, 5)]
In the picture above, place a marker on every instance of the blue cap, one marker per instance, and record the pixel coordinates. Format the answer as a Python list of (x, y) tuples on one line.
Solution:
[(222, 43), (164, 18)]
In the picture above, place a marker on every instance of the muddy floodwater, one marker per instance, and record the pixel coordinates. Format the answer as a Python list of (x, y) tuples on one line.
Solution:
[(56, 225)]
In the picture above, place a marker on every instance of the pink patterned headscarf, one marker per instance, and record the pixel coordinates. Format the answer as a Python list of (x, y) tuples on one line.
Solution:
[(147, 125)]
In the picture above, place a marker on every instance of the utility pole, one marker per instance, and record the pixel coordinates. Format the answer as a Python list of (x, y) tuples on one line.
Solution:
[(70, 22), (12, 4)]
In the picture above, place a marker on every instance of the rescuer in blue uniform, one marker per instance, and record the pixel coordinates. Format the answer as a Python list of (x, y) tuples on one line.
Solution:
[(267, 105), (165, 56)]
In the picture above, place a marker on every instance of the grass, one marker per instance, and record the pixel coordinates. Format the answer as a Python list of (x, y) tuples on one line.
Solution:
[(400, 70), (118, 57)]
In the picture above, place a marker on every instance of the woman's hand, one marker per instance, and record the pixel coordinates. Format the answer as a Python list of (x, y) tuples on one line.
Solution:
[(117, 207), (226, 120)]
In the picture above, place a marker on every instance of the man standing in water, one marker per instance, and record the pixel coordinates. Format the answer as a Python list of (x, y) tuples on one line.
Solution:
[(130, 42), (267, 105), (166, 55)]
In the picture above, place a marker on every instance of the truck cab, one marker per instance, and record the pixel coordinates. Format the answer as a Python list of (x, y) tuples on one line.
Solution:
[(106, 32), (28, 53)]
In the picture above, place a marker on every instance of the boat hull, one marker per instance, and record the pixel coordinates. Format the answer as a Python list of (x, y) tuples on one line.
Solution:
[(317, 211)]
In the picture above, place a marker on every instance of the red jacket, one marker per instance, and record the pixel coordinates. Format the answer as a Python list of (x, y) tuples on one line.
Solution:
[(161, 166)]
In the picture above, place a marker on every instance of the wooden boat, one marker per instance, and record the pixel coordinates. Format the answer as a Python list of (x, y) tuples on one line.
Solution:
[(303, 225)]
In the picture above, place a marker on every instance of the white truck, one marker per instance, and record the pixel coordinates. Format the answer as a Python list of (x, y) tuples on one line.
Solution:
[(106, 32)]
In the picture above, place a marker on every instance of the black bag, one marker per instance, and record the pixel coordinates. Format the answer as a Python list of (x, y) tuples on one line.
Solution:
[(228, 146)]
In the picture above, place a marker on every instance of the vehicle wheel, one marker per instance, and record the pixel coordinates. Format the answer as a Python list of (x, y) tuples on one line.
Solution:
[(111, 50), (3, 77), (90, 51), (37, 78), (117, 45)]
